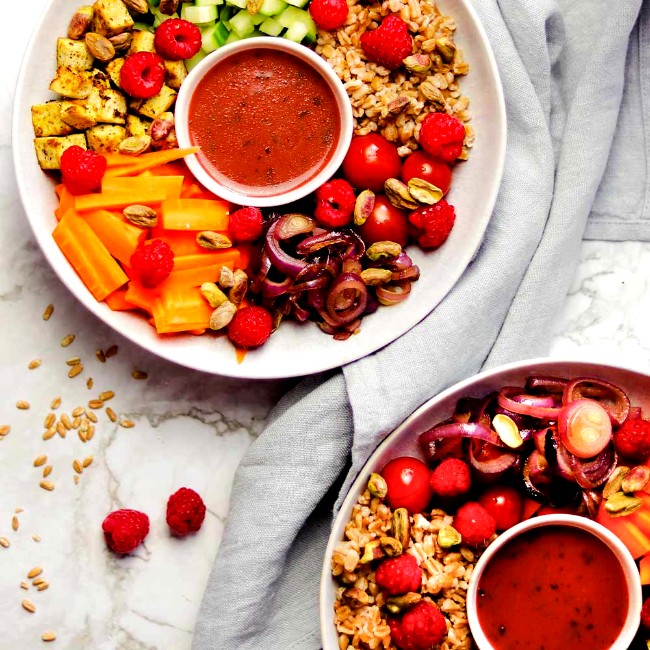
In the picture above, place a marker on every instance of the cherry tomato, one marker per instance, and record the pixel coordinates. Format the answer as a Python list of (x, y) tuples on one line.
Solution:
[(408, 484), (504, 503), (370, 161), (422, 165), (585, 428), (385, 223)]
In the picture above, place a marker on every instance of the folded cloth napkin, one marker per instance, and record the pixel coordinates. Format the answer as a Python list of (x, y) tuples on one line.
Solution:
[(563, 68)]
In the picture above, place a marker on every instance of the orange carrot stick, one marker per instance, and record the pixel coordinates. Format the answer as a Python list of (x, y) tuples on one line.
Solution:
[(120, 237), (194, 214), (171, 185), (118, 200), (149, 161)]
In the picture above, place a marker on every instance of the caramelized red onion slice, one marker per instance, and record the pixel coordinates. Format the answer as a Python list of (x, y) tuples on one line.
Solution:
[(490, 461), (473, 430), (608, 395), (536, 475), (346, 299), (280, 259), (590, 474), (271, 289), (392, 294), (513, 399), (354, 246), (291, 225), (411, 274), (547, 383)]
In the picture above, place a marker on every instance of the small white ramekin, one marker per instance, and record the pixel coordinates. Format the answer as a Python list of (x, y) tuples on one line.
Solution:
[(283, 45), (583, 523)]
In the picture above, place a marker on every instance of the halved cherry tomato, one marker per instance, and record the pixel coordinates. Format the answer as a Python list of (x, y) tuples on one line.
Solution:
[(370, 161), (408, 484), (584, 427), (385, 223), (422, 165), (504, 503)]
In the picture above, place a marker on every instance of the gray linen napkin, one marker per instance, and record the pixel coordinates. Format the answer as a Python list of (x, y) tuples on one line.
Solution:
[(562, 64)]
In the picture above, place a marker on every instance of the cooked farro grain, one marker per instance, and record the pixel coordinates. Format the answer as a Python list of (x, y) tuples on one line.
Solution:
[(395, 103)]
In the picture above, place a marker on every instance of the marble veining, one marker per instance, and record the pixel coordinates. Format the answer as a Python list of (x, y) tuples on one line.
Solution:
[(190, 429)]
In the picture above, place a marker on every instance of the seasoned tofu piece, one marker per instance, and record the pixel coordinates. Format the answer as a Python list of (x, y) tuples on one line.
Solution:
[(113, 69), (105, 138), (49, 150), (112, 107), (111, 17), (46, 119), (81, 113), (136, 126), (142, 41), (98, 79), (157, 104), (175, 73), (73, 55), (71, 83)]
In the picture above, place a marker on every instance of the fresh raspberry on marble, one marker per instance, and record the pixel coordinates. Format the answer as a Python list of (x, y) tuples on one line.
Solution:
[(185, 511), (475, 524), (124, 530), (334, 203), (442, 136), (389, 44), (399, 575), (422, 627), (82, 171), (329, 14)]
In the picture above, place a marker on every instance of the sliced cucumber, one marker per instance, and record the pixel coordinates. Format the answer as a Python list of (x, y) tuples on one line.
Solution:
[(299, 24), (298, 3), (199, 15), (213, 37), (232, 38), (207, 3), (272, 7), (271, 27), (226, 13), (195, 60), (159, 18), (240, 4), (242, 24)]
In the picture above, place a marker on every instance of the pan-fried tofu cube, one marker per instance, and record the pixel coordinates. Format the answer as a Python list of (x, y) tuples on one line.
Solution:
[(49, 150), (71, 83), (99, 79), (136, 126), (112, 109), (157, 104), (175, 72), (46, 120), (111, 17), (105, 138), (113, 69), (73, 54), (142, 41), (81, 113)]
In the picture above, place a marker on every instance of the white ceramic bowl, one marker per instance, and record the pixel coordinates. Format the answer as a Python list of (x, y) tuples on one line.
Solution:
[(608, 538), (295, 349), (300, 52), (404, 442)]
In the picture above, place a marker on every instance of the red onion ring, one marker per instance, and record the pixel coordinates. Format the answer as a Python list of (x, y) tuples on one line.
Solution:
[(352, 289), (507, 400), (494, 467), (547, 383), (282, 261), (609, 396), (392, 294)]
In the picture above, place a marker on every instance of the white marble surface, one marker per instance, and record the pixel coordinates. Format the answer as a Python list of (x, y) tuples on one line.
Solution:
[(191, 429)]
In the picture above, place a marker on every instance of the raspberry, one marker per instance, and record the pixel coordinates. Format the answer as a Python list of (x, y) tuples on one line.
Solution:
[(389, 44), (142, 75), (432, 224), (250, 327), (82, 170), (329, 14), (246, 224), (185, 511), (152, 261), (451, 479), (177, 39), (399, 575), (632, 440), (475, 524), (442, 136), (421, 628), (335, 203), (125, 530), (645, 614)]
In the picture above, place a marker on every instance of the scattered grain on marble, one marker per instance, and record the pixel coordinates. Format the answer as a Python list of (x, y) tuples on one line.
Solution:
[(139, 374), (36, 537), (77, 466), (34, 363), (18, 510), (47, 470), (47, 485), (73, 361), (90, 433), (22, 404), (111, 352), (5, 542), (92, 417), (24, 585), (4, 430), (40, 460), (82, 434), (75, 370), (87, 461), (15, 524), (89, 383), (95, 404), (76, 423), (50, 433), (78, 411), (67, 340), (66, 421), (36, 571), (101, 357), (111, 414), (106, 395), (48, 636), (29, 606), (50, 419), (60, 429), (127, 424), (43, 586), (49, 310), (56, 402)]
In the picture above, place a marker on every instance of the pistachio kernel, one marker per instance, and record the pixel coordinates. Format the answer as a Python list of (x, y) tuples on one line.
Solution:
[(212, 241), (371, 551), (398, 105), (398, 194), (214, 296), (355, 597), (391, 546), (363, 207), (134, 145), (99, 46), (239, 287), (162, 126), (507, 430), (397, 604), (620, 505), (383, 250), (615, 481), (433, 94), (375, 277), (448, 536), (401, 526), (447, 49), (226, 278), (636, 479), (377, 485), (140, 215), (121, 41), (222, 315), (418, 63), (424, 192)]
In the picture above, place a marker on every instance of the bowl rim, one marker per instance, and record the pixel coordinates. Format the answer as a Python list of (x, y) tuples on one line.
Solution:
[(539, 363), (624, 557), (326, 72)]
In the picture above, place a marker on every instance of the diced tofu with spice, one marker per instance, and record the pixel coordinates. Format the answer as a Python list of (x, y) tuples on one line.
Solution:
[(71, 83), (81, 113), (73, 55), (46, 120), (112, 107), (49, 150), (105, 138), (111, 17), (98, 79), (157, 104), (136, 126), (142, 41), (113, 70), (175, 72)]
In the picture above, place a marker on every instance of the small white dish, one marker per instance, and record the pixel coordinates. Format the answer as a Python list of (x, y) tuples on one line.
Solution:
[(297, 190), (610, 540)]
